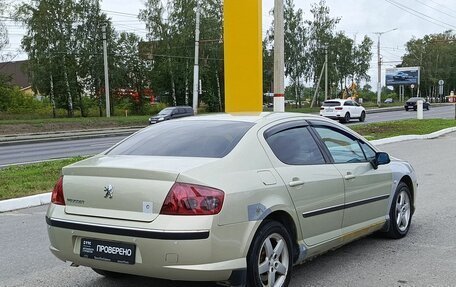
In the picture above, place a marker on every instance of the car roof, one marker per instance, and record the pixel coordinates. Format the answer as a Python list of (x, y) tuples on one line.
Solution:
[(263, 117)]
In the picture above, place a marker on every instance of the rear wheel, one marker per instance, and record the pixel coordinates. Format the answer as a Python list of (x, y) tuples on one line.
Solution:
[(362, 118), (427, 108), (108, 274), (406, 109), (346, 118), (270, 256)]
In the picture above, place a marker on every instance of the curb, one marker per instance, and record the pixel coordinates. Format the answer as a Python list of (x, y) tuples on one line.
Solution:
[(24, 202), (42, 199), (413, 137)]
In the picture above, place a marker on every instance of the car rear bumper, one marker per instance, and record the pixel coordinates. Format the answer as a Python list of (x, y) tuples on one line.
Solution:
[(333, 117), (214, 254)]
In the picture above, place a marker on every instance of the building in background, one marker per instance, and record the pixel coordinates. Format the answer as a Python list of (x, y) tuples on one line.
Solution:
[(16, 74)]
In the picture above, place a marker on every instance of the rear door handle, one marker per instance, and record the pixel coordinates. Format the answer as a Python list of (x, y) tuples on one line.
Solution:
[(349, 177), (296, 183)]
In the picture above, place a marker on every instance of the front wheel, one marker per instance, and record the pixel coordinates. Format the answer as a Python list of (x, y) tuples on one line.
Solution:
[(400, 212), (270, 256)]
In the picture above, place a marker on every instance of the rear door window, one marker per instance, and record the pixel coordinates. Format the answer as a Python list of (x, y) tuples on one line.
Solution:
[(295, 146)]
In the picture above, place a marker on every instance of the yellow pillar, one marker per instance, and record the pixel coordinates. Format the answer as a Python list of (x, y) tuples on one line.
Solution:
[(243, 56)]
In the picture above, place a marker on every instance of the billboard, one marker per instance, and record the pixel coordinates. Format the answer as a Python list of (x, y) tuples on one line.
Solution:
[(403, 76)]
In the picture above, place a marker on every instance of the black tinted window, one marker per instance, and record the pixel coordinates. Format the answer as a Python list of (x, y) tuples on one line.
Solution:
[(331, 104), (348, 103), (214, 139), (295, 147)]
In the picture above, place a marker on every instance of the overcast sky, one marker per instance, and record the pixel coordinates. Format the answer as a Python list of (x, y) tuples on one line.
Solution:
[(358, 18)]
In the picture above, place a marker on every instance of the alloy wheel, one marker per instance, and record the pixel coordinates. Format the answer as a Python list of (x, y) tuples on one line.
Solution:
[(403, 211), (273, 261)]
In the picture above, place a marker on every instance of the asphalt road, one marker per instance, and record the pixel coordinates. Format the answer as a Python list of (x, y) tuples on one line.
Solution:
[(26, 153), (426, 257), (445, 112)]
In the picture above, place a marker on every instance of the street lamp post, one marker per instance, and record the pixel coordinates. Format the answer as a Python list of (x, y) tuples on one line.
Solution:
[(379, 82)]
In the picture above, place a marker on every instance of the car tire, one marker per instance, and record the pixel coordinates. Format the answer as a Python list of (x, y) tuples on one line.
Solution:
[(269, 259), (427, 108), (362, 118), (406, 109), (400, 212), (108, 274), (346, 118)]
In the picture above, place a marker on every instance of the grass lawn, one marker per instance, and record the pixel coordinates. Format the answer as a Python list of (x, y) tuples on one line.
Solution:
[(18, 181), (39, 178), (405, 127), (65, 124)]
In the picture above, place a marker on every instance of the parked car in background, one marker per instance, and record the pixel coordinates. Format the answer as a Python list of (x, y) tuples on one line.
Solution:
[(389, 101), (232, 199), (412, 104), (172, 113), (343, 110)]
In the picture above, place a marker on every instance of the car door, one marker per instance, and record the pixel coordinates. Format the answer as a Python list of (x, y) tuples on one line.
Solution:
[(354, 111), (367, 190), (315, 185)]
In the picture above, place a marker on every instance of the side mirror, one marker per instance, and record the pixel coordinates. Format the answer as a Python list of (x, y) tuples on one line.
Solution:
[(381, 158)]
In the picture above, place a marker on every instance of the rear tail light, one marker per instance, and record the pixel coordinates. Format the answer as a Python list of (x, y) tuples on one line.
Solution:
[(321, 109), (57, 193), (191, 199), (339, 109)]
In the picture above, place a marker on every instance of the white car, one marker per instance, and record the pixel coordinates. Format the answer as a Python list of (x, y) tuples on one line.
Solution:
[(343, 110)]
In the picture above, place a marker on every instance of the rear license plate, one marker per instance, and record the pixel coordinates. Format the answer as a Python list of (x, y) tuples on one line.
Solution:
[(411, 106), (117, 252), (330, 110)]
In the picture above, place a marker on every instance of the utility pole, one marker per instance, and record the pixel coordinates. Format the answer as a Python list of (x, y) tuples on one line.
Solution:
[(379, 81), (279, 57), (196, 68), (106, 72), (326, 74)]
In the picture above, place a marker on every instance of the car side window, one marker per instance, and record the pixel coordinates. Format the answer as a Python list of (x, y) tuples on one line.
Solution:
[(348, 103), (296, 146), (368, 151), (343, 148)]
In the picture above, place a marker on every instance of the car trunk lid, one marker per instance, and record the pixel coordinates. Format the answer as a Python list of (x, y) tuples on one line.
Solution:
[(123, 187)]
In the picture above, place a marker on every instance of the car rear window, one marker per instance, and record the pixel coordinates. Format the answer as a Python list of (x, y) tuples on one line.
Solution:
[(331, 104), (212, 139)]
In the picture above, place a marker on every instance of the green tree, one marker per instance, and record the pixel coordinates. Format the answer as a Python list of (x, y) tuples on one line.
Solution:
[(171, 26), (58, 39), (295, 46), (436, 55)]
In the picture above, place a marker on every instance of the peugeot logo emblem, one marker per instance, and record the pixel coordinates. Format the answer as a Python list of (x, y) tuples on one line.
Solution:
[(109, 190)]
